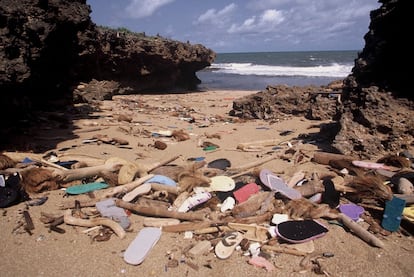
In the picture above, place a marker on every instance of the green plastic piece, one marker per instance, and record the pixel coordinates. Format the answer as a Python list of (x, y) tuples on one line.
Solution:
[(85, 188)]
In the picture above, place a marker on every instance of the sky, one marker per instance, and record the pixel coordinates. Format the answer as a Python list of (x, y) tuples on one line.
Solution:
[(244, 25)]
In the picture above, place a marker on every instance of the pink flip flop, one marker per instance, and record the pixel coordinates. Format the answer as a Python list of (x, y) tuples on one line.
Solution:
[(277, 184)]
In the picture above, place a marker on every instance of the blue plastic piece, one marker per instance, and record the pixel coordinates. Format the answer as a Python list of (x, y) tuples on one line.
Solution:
[(161, 179), (392, 214)]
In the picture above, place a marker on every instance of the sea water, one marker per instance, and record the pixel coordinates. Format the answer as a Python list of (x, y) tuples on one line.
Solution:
[(255, 71)]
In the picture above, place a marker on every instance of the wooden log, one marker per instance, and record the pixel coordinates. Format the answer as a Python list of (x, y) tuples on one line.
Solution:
[(326, 157), (257, 145), (125, 188), (360, 231), (160, 212), (252, 205), (162, 187), (187, 226), (85, 172), (71, 220)]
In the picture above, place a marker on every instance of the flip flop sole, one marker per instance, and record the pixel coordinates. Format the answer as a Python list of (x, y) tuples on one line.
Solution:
[(225, 248), (298, 231), (277, 184), (139, 248), (222, 164), (221, 183), (161, 179)]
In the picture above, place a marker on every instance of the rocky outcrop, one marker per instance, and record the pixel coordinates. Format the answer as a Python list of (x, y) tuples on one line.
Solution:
[(378, 109), (279, 102), (49, 46), (383, 61), (140, 63), (375, 111)]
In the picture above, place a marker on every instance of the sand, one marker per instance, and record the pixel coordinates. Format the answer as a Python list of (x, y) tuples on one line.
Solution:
[(74, 253)]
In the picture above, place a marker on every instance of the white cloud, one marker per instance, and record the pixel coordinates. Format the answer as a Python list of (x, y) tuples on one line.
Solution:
[(144, 8), (212, 16), (266, 22)]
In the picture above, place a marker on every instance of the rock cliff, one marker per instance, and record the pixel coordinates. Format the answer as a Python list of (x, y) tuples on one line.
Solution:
[(377, 115), (49, 46)]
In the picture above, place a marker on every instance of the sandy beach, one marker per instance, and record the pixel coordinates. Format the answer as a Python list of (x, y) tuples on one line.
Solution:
[(203, 116)]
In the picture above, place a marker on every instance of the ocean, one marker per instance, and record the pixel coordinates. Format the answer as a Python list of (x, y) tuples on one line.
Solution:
[(256, 70)]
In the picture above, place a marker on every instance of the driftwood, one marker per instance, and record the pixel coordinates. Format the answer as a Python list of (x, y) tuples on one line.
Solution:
[(251, 206), (189, 226), (257, 145), (252, 164), (71, 220), (159, 222), (360, 231), (125, 188), (326, 157), (162, 187), (85, 172), (160, 212)]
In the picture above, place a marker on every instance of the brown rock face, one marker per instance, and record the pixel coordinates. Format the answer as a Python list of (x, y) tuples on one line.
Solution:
[(49, 46), (383, 61), (378, 109)]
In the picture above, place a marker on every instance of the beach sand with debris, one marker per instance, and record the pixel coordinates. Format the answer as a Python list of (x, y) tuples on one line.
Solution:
[(134, 129)]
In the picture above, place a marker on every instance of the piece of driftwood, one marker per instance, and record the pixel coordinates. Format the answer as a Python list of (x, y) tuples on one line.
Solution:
[(187, 226), (252, 164), (85, 172), (162, 187), (159, 222), (125, 188), (360, 231), (310, 188), (255, 219), (81, 158), (257, 145), (160, 212), (251, 206), (71, 220), (326, 157), (142, 201), (214, 229)]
